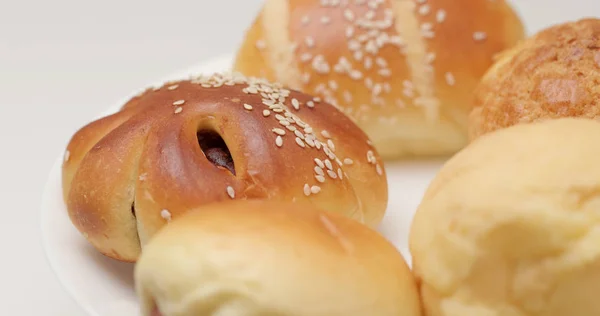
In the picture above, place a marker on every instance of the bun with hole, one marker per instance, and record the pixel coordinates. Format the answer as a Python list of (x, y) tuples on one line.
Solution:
[(553, 74), (272, 258), (209, 139), (404, 71), (510, 225)]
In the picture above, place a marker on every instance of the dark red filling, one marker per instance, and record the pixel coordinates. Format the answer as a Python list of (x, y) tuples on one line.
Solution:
[(215, 150)]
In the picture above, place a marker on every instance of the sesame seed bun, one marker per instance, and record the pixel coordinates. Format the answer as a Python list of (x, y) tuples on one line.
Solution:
[(209, 139), (553, 74), (510, 225), (404, 71), (272, 258)]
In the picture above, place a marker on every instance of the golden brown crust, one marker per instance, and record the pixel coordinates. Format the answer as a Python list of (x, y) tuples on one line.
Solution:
[(273, 258), (147, 157), (553, 74), (388, 64)]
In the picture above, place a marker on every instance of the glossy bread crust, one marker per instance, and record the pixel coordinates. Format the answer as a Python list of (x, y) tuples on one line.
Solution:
[(404, 71), (213, 139), (555, 73)]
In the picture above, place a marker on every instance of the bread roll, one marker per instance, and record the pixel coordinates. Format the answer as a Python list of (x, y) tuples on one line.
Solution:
[(209, 139), (265, 258), (553, 74), (404, 71), (510, 226)]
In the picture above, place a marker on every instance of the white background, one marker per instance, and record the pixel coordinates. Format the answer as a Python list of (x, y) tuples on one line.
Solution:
[(64, 61)]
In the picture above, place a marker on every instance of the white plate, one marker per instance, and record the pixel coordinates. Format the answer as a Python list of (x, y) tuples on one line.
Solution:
[(104, 287)]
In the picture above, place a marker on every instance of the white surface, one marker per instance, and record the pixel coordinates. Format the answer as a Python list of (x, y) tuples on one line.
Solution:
[(64, 61)]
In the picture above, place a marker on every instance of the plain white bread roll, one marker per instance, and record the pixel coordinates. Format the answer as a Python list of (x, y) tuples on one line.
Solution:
[(272, 258), (511, 225)]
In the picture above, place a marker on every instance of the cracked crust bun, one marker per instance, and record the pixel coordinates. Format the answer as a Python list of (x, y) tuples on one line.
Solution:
[(270, 258), (403, 70), (510, 225), (554, 74), (210, 139)]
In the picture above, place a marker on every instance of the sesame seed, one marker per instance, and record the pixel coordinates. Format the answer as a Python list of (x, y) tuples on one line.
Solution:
[(315, 189), (370, 15), (320, 178), (261, 44), (328, 164), (266, 113), (300, 142), (178, 110), (299, 134), (332, 174), (305, 20), (358, 55), (325, 134), (67, 156), (430, 57), (440, 16), (333, 85), (479, 36), (348, 161), (247, 106), (308, 130), (165, 214), (173, 87), (179, 102), (340, 173), (385, 72), (291, 128), (310, 41), (349, 15), (284, 123), (325, 19), (319, 171), (143, 177), (379, 170), (278, 131), (450, 80), (426, 26), (330, 144), (319, 162), (230, 192), (424, 9), (296, 104), (356, 74), (278, 141), (310, 104), (368, 63), (306, 189)]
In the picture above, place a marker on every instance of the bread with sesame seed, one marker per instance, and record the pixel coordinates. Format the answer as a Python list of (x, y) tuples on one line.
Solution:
[(403, 70), (209, 139), (261, 258), (553, 74)]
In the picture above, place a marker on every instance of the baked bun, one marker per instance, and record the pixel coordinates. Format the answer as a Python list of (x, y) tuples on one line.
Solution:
[(259, 258), (553, 74), (403, 70), (212, 139), (510, 225)]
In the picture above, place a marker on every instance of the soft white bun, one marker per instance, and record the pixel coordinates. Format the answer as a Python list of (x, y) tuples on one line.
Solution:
[(511, 225), (264, 258)]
